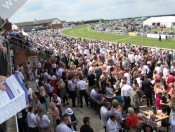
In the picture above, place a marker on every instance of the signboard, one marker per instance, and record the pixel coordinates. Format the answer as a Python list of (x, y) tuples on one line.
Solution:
[(14, 99), (149, 35), (132, 34), (32, 60)]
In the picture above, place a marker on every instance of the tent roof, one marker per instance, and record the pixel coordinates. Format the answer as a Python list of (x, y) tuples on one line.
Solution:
[(161, 19)]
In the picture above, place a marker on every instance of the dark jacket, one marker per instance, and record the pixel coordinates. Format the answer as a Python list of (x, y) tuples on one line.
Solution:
[(86, 128), (146, 86), (73, 118)]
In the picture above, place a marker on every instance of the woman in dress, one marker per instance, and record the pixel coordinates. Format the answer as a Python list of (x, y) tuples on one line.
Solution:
[(118, 93), (158, 91), (53, 110), (170, 79), (57, 101), (43, 121), (171, 91), (110, 93), (42, 98), (62, 91), (35, 103)]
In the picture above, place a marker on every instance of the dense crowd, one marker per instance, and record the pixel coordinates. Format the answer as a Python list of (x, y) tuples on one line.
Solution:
[(115, 76)]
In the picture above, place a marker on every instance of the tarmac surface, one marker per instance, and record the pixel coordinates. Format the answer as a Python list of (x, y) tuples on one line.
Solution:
[(80, 113)]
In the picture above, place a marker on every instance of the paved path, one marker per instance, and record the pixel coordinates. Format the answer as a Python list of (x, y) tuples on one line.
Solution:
[(80, 114)]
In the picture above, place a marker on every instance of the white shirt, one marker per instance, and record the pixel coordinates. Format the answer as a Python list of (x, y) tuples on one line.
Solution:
[(131, 58), (29, 92), (165, 72), (54, 65), (81, 85), (21, 75), (39, 65), (36, 82), (103, 111), (144, 69), (53, 77), (139, 82), (114, 59), (72, 126), (128, 78), (172, 68), (93, 93), (111, 126), (125, 90), (158, 70), (31, 120), (43, 121), (63, 128)]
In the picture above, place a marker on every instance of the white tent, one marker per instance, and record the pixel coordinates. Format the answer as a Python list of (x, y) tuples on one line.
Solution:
[(160, 21), (14, 27)]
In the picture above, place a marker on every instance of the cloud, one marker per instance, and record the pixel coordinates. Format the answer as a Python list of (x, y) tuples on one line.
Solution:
[(76, 10)]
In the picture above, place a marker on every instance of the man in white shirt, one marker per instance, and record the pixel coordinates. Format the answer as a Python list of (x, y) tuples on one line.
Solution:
[(81, 85), (144, 69), (21, 75), (132, 59), (166, 71), (127, 75), (125, 93), (173, 67), (103, 111), (29, 91), (62, 127), (157, 68), (31, 120), (36, 81)]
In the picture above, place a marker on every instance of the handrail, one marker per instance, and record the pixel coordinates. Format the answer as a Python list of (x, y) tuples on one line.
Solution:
[(27, 48)]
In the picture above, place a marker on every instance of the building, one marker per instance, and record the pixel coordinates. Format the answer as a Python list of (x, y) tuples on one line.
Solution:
[(40, 24), (167, 21)]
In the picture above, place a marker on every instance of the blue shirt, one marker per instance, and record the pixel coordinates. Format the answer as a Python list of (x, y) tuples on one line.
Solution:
[(119, 115), (63, 128), (60, 71)]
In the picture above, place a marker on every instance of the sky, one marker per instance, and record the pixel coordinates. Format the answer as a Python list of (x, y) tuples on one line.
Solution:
[(77, 10)]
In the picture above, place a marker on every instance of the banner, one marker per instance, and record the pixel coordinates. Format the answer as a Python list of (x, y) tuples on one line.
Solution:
[(132, 34), (150, 35), (32, 60)]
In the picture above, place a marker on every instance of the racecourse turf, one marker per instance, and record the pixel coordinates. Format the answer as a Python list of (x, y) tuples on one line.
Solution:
[(85, 32)]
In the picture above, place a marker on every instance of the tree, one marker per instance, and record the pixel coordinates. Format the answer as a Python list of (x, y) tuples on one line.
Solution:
[(82, 21), (102, 20)]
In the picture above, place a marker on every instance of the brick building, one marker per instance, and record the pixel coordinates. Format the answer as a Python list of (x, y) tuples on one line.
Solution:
[(40, 24)]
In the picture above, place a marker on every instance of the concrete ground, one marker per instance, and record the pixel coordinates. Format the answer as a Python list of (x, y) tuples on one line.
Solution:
[(80, 113)]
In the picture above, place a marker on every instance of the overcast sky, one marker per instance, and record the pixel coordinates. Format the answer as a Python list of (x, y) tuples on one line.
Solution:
[(77, 10)]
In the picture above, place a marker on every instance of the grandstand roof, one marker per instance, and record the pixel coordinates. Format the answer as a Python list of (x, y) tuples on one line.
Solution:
[(37, 22)]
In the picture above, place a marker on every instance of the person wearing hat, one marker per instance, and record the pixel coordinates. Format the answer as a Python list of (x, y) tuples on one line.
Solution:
[(72, 119)]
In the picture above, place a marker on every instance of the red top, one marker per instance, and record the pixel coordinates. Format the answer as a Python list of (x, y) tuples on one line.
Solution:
[(131, 120)]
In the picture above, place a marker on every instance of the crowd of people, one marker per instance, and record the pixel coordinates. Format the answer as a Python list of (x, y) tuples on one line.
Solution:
[(114, 75)]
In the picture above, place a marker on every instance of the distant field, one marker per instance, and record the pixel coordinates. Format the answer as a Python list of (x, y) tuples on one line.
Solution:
[(83, 32)]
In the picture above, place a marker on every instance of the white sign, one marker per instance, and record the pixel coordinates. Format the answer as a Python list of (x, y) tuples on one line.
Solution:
[(149, 35), (14, 99)]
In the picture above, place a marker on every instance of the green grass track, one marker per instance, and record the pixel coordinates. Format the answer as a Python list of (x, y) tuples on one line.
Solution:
[(83, 32)]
